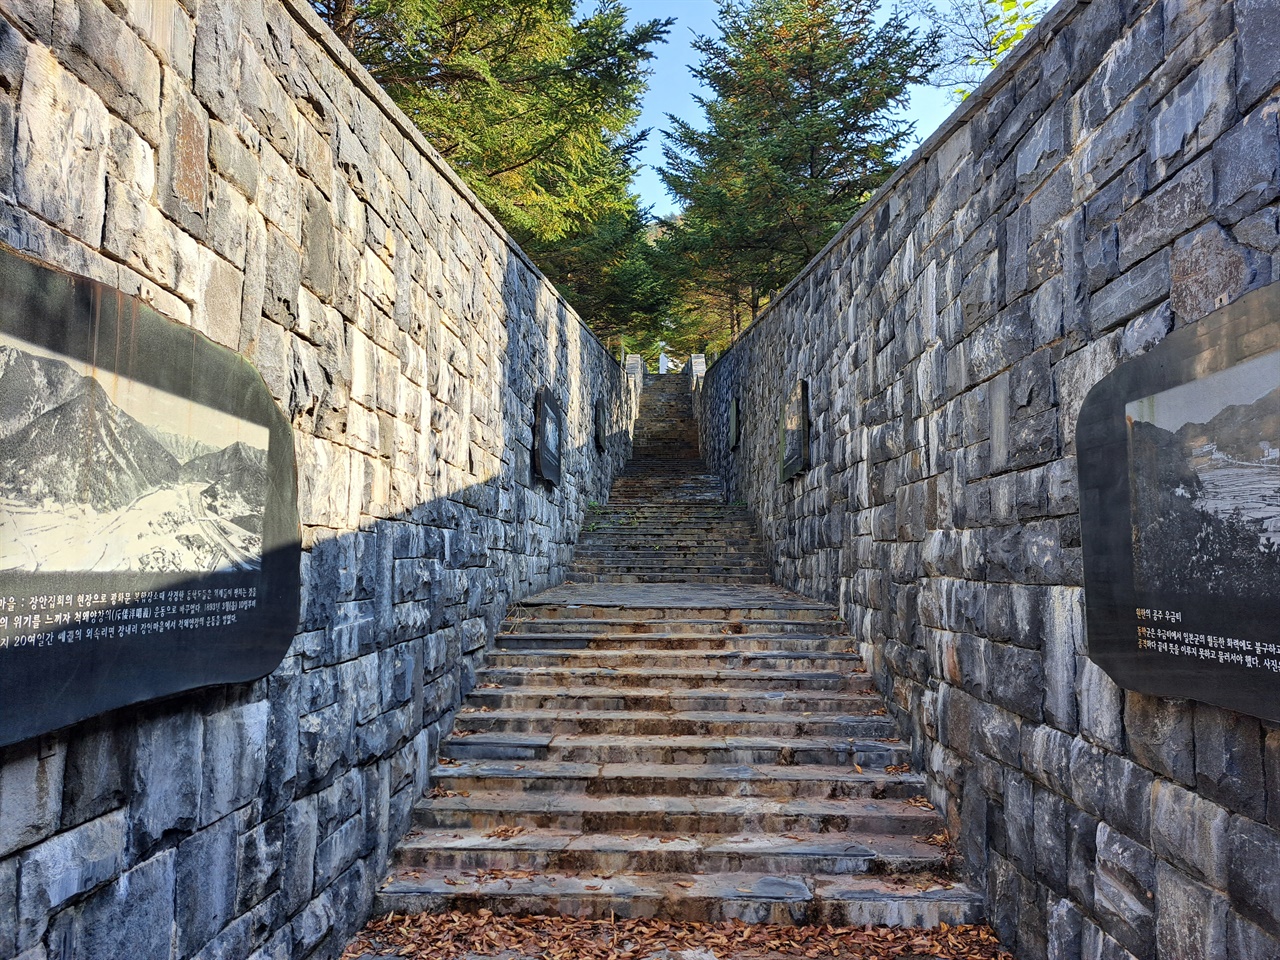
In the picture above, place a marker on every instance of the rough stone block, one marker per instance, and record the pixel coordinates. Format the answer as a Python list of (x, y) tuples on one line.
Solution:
[(111, 60), (1191, 919), (1190, 832), (60, 155), (1100, 707), (1247, 941), (1124, 890), (1271, 762), (67, 865), (1128, 800), (167, 28), (1229, 761), (1161, 735), (184, 158), (166, 777), (1258, 27), (1253, 881), (31, 782), (110, 924), (1131, 293), (234, 759), (9, 907), (217, 60), (1051, 840), (1180, 205), (96, 772), (206, 871), (259, 863), (1082, 856), (1064, 933), (283, 280), (1191, 117), (1209, 271), (218, 307)]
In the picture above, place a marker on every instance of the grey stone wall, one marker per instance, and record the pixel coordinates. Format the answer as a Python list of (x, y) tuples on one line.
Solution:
[(228, 163), (1115, 180)]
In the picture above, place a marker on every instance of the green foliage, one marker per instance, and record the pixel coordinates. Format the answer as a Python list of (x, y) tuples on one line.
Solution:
[(976, 35), (535, 108), (798, 131)]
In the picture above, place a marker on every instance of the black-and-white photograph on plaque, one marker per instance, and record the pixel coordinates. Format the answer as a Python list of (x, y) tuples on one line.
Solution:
[(548, 436), (100, 472), (1205, 484), (601, 417), (793, 433), (1179, 460), (735, 427), (149, 537)]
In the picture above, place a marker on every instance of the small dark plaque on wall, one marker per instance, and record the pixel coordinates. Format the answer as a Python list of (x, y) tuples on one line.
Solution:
[(548, 436), (735, 427), (1179, 460), (793, 433), (601, 414), (149, 539)]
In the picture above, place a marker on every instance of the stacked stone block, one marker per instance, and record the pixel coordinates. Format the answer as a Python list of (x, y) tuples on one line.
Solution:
[(1114, 180), (231, 165)]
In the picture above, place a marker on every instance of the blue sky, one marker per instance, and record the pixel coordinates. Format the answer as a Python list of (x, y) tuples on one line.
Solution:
[(671, 89)]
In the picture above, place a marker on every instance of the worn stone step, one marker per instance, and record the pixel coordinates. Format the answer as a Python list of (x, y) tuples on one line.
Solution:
[(751, 898), (681, 723), (675, 679), (620, 567), (565, 851), (799, 610), (685, 659), (795, 644), (737, 700), (674, 779), (673, 816), (673, 577), (840, 752), (768, 627)]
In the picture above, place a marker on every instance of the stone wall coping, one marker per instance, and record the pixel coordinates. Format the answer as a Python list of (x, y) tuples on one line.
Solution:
[(320, 31), (1059, 14)]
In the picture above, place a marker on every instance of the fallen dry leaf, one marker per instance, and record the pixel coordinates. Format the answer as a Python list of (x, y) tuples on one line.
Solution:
[(504, 832)]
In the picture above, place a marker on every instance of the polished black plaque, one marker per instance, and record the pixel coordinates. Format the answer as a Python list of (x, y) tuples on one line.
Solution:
[(601, 433), (793, 433), (1179, 460), (149, 539), (735, 427), (548, 436)]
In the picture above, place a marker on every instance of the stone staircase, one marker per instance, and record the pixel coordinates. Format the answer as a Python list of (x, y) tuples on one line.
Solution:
[(671, 735)]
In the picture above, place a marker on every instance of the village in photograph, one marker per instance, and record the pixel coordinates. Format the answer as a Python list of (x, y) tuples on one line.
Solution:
[(102, 473)]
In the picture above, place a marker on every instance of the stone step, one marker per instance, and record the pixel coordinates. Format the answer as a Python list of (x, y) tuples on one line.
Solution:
[(715, 723), (751, 898), (668, 577), (674, 567), (796, 644), (596, 854), (836, 752), (673, 816), (683, 659), (761, 626), (673, 678), (674, 779), (739, 700)]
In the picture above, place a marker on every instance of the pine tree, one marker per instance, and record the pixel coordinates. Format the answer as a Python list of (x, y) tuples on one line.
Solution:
[(799, 131)]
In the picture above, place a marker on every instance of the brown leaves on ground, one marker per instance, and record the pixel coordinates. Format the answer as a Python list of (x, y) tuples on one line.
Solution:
[(505, 832), (452, 935), (921, 803)]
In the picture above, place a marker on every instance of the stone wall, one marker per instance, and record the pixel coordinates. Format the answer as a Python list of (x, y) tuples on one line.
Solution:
[(1115, 180), (230, 164)]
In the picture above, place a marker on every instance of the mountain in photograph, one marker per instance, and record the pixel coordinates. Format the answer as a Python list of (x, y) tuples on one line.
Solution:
[(237, 478), (1236, 431), (183, 448), (86, 450), (31, 386)]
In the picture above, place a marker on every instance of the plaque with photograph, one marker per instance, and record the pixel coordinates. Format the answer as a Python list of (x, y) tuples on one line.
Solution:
[(548, 436), (793, 433), (1179, 460), (735, 426), (149, 538)]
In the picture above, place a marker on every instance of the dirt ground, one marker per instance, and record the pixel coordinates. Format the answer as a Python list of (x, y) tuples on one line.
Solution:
[(465, 936)]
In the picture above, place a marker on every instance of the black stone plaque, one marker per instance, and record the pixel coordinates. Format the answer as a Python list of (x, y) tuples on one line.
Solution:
[(793, 433), (735, 428), (1179, 460), (601, 413), (548, 436), (149, 539)]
